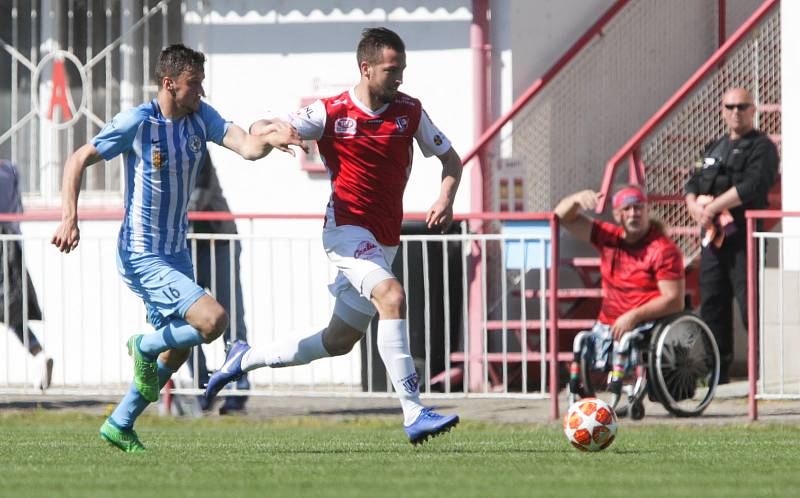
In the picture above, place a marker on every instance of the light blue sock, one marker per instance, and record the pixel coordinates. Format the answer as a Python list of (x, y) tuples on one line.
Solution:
[(177, 334), (133, 404)]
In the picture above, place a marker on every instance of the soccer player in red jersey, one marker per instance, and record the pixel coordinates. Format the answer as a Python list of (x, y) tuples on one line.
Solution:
[(641, 271), (365, 139)]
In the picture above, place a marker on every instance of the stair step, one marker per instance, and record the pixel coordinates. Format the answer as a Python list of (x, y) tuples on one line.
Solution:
[(563, 324), (577, 293), (532, 356)]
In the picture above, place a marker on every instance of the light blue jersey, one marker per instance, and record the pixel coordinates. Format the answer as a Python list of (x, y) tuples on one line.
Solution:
[(162, 157)]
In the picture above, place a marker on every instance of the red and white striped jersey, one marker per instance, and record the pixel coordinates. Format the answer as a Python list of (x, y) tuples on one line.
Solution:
[(368, 156)]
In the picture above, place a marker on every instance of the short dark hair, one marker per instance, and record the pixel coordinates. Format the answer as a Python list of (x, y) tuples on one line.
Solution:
[(178, 58), (374, 40)]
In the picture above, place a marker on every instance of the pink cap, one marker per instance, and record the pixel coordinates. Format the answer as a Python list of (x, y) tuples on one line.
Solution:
[(628, 196)]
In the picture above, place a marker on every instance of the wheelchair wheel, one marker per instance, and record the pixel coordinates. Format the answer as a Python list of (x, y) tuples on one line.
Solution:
[(637, 411), (684, 365)]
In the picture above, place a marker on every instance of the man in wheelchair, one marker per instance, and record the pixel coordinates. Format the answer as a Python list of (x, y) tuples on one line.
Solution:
[(642, 278)]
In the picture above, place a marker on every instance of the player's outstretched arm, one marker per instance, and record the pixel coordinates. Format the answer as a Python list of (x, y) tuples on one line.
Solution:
[(251, 147), (440, 215), (263, 126), (67, 234), (568, 211)]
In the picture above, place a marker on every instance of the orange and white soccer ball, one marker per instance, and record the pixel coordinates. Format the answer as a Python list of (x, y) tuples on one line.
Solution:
[(590, 425)]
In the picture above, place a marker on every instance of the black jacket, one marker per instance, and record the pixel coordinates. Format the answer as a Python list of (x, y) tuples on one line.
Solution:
[(750, 164)]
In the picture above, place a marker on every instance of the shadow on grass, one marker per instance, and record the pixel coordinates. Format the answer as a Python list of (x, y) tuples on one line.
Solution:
[(371, 411), (52, 405)]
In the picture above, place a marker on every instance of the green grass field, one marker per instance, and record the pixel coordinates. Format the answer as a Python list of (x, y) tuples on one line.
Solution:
[(59, 454)]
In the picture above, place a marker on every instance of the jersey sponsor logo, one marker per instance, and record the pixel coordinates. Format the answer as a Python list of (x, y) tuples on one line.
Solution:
[(195, 144), (401, 123), (345, 126), (437, 139), (156, 158), (364, 248)]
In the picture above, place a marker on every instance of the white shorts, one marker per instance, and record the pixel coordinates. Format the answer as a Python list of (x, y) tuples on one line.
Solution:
[(362, 261)]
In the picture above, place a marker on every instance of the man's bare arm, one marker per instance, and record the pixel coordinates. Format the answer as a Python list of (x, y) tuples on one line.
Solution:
[(67, 234), (255, 146), (569, 209), (441, 212), (669, 302)]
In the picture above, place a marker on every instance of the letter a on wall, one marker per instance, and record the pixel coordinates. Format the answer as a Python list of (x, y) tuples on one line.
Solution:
[(59, 96)]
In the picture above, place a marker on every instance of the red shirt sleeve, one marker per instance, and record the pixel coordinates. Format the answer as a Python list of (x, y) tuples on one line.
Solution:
[(602, 232)]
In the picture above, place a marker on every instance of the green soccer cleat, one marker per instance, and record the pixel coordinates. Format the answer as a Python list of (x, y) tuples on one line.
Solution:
[(127, 441), (145, 372)]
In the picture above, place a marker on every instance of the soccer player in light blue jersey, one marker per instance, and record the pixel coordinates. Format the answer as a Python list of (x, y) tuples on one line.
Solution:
[(163, 143)]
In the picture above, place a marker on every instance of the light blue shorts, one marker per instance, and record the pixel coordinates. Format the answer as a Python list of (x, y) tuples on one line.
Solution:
[(165, 282)]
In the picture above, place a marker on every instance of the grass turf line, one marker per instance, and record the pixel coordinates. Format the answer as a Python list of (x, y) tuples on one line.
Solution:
[(60, 454)]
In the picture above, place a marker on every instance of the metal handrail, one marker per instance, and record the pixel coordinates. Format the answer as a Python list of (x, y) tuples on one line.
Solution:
[(538, 85), (631, 149)]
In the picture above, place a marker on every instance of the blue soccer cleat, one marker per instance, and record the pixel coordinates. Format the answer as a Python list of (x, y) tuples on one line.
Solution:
[(231, 370), (429, 424)]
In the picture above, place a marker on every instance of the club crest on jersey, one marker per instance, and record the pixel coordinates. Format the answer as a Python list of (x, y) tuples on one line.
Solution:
[(401, 123), (345, 126), (364, 248), (156, 158), (195, 145)]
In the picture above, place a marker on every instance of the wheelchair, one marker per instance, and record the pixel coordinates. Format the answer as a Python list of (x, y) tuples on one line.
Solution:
[(675, 361)]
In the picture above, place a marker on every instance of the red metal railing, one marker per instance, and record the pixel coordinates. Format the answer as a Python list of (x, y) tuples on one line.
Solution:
[(631, 150), (538, 85)]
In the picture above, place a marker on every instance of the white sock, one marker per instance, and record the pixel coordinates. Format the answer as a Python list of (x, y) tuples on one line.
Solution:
[(396, 355), (286, 353)]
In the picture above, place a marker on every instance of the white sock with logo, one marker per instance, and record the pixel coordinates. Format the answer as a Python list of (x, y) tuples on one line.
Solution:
[(396, 355), (286, 353)]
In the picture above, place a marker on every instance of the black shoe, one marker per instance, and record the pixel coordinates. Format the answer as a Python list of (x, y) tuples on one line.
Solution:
[(233, 405), (205, 404)]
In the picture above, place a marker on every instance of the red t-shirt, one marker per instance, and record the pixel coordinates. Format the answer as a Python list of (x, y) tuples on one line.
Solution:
[(630, 272), (368, 156)]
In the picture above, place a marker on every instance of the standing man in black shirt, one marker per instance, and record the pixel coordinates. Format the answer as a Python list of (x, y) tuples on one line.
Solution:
[(736, 174)]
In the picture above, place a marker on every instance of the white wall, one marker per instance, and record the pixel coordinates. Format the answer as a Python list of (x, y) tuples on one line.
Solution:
[(790, 148), (265, 55)]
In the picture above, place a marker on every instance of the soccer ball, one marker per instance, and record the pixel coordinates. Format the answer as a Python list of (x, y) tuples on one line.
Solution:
[(590, 425)]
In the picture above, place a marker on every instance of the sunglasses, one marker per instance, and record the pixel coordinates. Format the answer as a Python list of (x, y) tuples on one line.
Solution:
[(740, 107)]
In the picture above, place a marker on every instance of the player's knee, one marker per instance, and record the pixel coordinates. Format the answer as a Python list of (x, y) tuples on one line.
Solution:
[(214, 324), (390, 298), (220, 323)]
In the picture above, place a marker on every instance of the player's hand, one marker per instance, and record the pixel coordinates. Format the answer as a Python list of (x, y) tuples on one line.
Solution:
[(440, 215), (67, 236), (624, 323), (282, 135)]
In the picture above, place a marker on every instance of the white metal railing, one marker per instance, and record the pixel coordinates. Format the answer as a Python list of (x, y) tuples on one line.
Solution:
[(89, 313), (773, 304)]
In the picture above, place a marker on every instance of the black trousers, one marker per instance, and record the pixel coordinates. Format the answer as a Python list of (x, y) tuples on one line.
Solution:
[(723, 277)]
